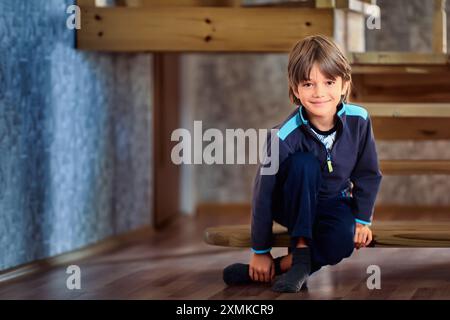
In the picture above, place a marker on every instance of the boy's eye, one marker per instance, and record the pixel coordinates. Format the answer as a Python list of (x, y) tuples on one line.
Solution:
[(330, 82), (307, 85)]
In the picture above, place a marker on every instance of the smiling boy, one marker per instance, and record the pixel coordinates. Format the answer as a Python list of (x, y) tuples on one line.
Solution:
[(325, 189)]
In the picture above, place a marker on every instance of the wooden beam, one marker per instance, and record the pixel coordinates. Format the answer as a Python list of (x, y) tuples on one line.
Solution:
[(410, 69), (96, 3), (411, 234), (282, 3), (179, 3), (200, 29), (325, 3), (166, 118), (416, 129), (407, 110), (409, 121), (402, 87), (408, 167), (386, 234), (439, 27), (397, 58), (86, 3)]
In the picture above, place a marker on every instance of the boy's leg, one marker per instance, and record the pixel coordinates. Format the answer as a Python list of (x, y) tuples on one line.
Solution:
[(298, 184), (295, 198), (333, 233)]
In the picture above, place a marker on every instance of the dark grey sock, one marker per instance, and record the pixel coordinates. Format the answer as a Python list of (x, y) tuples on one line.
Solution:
[(237, 273), (293, 280)]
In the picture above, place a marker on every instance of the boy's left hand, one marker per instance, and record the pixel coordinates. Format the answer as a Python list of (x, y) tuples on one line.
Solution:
[(363, 235)]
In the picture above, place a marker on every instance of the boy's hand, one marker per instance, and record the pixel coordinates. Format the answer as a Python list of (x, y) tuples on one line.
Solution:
[(262, 267), (363, 235)]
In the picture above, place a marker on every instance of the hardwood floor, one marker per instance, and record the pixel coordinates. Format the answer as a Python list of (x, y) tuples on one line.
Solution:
[(176, 264)]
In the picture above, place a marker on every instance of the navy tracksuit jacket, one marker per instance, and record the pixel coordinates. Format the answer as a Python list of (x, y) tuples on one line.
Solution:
[(350, 171)]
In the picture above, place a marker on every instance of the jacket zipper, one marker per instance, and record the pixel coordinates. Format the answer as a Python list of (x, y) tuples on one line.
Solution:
[(329, 161)]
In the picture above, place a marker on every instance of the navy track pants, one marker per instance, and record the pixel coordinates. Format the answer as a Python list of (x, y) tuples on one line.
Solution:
[(328, 226)]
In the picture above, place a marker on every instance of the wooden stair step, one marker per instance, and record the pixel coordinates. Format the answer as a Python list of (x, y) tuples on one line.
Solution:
[(408, 167), (386, 234)]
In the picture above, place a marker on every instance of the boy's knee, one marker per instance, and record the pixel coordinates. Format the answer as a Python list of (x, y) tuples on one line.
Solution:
[(345, 249), (340, 245)]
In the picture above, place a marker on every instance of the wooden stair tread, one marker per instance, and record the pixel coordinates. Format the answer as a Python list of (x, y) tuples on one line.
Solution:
[(386, 234)]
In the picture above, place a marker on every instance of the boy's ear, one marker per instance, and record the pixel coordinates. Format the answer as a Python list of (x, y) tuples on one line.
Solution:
[(295, 92), (345, 86)]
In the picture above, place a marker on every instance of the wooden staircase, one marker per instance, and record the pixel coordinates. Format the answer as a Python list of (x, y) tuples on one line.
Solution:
[(407, 94)]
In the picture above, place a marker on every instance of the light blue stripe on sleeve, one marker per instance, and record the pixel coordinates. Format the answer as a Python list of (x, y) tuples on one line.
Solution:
[(261, 251), (363, 222)]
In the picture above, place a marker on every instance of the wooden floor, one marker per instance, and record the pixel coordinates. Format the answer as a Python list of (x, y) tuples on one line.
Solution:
[(177, 264)]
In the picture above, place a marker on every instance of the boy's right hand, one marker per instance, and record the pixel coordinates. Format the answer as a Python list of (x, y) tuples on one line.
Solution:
[(262, 267)]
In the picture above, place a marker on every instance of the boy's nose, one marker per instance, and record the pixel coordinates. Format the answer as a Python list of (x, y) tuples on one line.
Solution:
[(318, 92)]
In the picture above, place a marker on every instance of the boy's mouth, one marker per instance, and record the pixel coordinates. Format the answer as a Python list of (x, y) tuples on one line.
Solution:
[(318, 103)]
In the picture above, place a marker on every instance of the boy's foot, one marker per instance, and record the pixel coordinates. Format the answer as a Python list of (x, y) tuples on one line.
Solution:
[(237, 273), (295, 277)]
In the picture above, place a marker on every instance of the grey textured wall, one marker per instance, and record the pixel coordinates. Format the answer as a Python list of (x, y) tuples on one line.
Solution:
[(74, 136), (250, 90)]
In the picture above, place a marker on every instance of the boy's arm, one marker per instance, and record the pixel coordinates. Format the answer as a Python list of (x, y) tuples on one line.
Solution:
[(366, 176), (263, 188)]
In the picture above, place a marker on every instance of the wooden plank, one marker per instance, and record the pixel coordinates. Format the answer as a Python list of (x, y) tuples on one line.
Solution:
[(439, 27), (411, 234), (166, 115), (418, 129), (179, 3), (282, 3), (409, 167), (373, 69), (422, 110), (239, 236), (386, 234), (86, 3), (400, 87), (397, 58), (200, 29), (325, 3), (410, 121)]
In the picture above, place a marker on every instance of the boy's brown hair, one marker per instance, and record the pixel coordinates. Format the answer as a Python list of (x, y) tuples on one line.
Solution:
[(332, 63)]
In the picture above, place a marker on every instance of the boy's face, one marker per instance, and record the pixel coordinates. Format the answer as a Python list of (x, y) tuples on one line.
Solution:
[(320, 95)]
